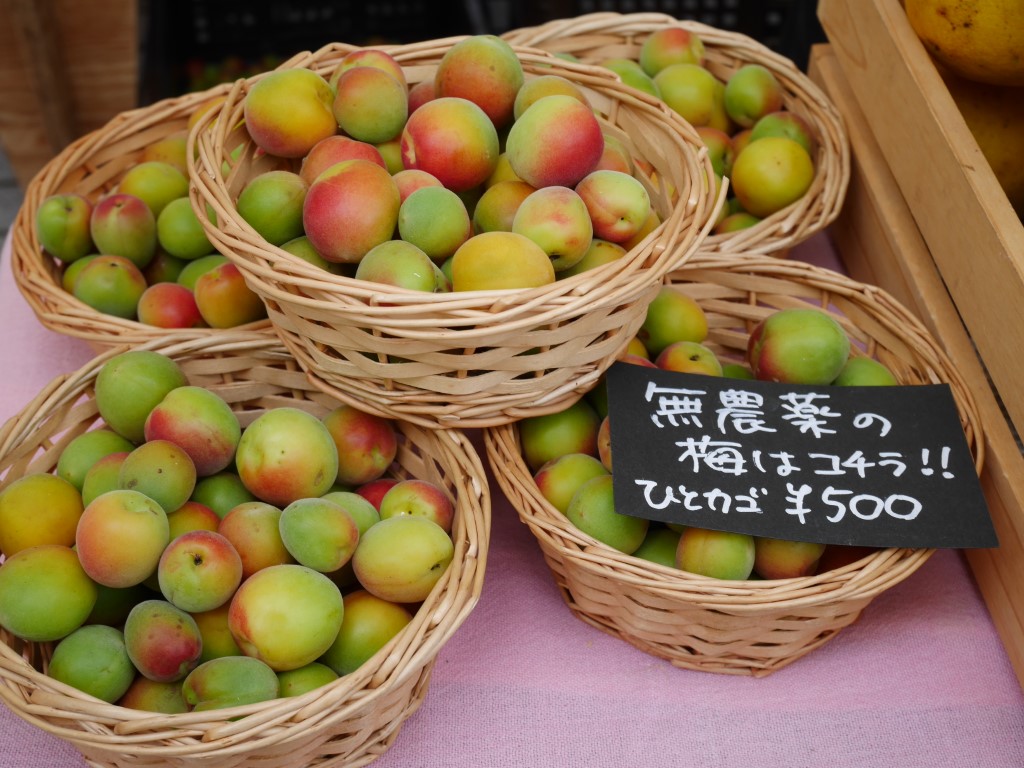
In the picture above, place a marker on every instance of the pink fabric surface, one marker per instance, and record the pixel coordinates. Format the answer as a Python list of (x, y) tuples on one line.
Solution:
[(921, 680)]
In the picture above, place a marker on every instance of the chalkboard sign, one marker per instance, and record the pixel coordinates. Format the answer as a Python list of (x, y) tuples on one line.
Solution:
[(870, 466)]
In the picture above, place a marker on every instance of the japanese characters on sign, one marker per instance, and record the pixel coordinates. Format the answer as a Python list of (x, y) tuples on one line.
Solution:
[(874, 466)]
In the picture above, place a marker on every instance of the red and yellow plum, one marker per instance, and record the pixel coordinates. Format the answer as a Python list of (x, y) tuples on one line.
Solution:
[(670, 45), (120, 538), (557, 219), (785, 559), (225, 300), (287, 454), (370, 104), (798, 346), (718, 554), (163, 641), (200, 422), (269, 624), (556, 141), (559, 478), (367, 443), (485, 70), (496, 209), (335, 149), (545, 85), (169, 305), (350, 207), (689, 357), (418, 497), (123, 225), (253, 528), (618, 204), (152, 696), (191, 516), (288, 111), (199, 571), (452, 139)]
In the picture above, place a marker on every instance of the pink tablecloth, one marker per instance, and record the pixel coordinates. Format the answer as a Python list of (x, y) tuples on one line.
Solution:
[(920, 681)]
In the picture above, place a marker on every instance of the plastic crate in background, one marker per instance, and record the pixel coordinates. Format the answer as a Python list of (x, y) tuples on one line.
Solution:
[(194, 44), (788, 27)]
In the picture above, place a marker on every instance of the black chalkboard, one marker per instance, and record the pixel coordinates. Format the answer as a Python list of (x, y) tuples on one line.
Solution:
[(870, 466)]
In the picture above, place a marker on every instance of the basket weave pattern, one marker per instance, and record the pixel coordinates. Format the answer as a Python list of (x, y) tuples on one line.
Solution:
[(472, 358), (597, 36), (350, 721), (751, 627), (92, 166)]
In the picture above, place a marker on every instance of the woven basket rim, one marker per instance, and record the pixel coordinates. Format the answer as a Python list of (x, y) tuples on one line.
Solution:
[(51, 705), (821, 205)]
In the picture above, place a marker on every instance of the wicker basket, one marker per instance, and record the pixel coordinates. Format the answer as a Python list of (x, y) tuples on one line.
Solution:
[(471, 358), (350, 721), (91, 166), (749, 627), (597, 36)]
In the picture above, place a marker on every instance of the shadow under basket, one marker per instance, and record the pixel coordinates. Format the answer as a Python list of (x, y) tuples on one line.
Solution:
[(595, 37), (468, 358), (748, 627), (350, 721)]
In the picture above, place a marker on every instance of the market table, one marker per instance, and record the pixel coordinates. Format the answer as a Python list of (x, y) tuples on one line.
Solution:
[(921, 680)]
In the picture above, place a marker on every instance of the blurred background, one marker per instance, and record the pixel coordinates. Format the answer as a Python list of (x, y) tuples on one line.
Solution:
[(68, 66), (10, 196)]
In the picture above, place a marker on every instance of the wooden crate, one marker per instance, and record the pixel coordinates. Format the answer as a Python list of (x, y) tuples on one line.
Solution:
[(66, 68), (882, 241), (967, 222)]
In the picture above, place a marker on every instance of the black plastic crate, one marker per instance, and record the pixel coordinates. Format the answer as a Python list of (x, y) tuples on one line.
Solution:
[(193, 44), (788, 27)]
